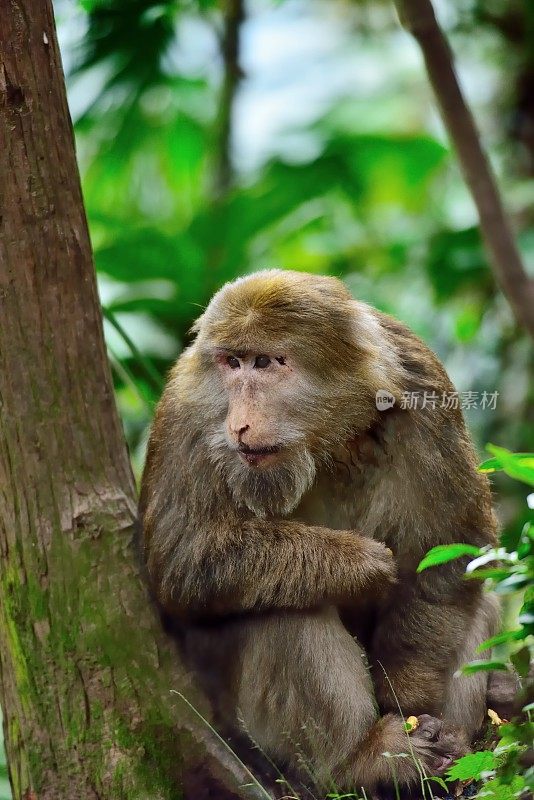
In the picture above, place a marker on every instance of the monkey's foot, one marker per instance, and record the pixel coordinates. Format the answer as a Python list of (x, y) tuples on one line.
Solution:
[(437, 744)]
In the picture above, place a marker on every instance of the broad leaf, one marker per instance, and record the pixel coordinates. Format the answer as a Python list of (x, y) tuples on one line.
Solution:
[(472, 766), (516, 465), (446, 552)]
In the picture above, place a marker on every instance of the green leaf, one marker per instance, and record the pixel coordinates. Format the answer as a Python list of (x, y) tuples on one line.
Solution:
[(501, 790), (500, 638), (467, 322), (447, 552), (490, 465), (483, 574), (331, 796), (482, 666), (472, 766), (516, 465)]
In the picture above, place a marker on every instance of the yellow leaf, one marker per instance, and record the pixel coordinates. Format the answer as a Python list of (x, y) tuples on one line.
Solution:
[(494, 717)]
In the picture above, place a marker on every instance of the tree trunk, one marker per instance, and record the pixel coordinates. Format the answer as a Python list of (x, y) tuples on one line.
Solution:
[(234, 17), (85, 671)]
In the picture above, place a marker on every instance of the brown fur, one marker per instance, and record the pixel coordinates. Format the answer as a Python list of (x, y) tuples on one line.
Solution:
[(272, 571)]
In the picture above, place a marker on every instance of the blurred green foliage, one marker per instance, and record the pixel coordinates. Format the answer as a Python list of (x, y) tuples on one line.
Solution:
[(338, 164)]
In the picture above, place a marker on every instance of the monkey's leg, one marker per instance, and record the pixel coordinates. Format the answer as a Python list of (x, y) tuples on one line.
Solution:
[(306, 698), (465, 699)]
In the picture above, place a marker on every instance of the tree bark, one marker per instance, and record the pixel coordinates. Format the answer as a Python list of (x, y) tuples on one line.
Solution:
[(418, 17), (86, 672)]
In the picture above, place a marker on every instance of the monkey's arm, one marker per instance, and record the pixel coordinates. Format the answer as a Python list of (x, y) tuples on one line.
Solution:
[(262, 564)]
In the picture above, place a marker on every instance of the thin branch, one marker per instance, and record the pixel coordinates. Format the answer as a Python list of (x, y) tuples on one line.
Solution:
[(230, 50), (419, 19)]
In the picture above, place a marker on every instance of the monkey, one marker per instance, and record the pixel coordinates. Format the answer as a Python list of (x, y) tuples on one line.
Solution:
[(284, 516)]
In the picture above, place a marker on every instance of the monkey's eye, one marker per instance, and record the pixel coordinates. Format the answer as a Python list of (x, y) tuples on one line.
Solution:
[(262, 362), (281, 360), (233, 362)]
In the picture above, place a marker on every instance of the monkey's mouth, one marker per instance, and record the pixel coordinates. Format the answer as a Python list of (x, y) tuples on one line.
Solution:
[(257, 455)]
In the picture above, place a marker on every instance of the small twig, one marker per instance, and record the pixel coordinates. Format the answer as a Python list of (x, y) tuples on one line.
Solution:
[(419, 19)]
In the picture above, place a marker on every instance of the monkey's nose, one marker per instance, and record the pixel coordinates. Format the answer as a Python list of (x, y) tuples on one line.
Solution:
[(237, 429), (243, 429)]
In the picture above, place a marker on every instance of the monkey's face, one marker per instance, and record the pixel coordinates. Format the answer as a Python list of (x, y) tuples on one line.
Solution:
[(262, 443), (261, 390), (285, 372)]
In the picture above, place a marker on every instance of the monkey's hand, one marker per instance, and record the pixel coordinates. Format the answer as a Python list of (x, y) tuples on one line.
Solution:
[(374, 567)]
